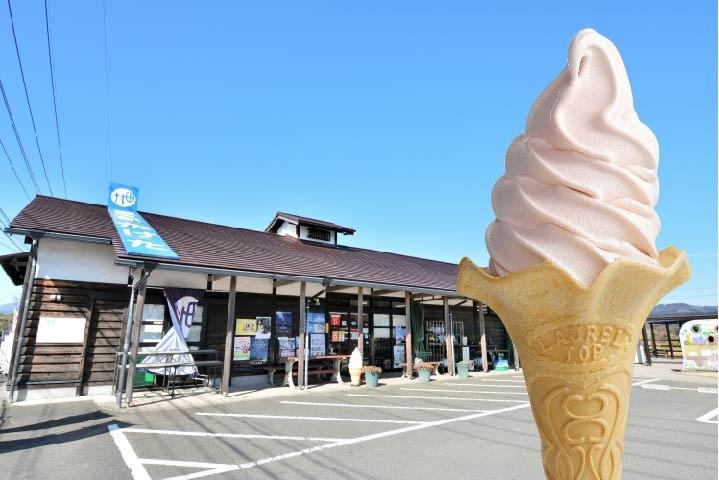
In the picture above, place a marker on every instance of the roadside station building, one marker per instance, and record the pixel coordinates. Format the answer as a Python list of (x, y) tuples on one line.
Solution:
[(80, 287)]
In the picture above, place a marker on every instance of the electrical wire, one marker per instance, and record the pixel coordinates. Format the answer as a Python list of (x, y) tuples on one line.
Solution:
[(17, 137), (7, 219), (107, 86), (12, 167), (12, 240), (54, 99), (27, 97)]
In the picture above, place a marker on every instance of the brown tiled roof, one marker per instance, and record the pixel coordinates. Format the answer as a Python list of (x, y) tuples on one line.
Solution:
[(215, 246)]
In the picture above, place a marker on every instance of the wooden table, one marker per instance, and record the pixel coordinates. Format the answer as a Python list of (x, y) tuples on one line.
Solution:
[(291, 361)]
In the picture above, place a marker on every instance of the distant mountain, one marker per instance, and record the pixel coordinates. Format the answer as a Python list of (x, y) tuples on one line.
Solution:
[(7, 308), (678, 309)]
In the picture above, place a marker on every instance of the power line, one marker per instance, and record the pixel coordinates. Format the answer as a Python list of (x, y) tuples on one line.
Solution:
[(7, 246), (107, 86), (54, 99), (7, 219), (12, 167), (27, 97), (17, 137), (12, 240)]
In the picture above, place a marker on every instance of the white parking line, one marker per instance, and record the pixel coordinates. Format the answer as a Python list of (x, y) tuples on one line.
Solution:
[(312, 419), (426, 397), (128, 453), (230, 435), (443, 390), (707, 417), (379, 435), (481, 385), (643, 382), (391, 407), (668, 387), (499, 380), (210, 468)]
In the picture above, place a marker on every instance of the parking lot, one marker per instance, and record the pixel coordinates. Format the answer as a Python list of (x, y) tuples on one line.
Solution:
[(480, 427)]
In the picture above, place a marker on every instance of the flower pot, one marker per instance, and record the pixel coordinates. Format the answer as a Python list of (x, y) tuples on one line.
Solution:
[(355, 377), (371, 379), (463, 370), (424, 374)]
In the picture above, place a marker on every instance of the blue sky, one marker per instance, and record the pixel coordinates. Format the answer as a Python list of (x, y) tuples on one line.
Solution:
[(392, 117)]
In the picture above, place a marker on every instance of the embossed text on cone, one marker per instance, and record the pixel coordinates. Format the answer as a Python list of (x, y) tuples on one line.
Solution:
[(577, 346)]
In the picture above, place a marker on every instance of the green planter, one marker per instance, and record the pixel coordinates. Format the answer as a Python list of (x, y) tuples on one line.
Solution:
[(463, 370), (371, 379), (424, 374)]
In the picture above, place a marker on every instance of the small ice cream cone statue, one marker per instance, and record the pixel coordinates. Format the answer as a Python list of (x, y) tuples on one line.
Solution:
[(577, 346), (355, 368)]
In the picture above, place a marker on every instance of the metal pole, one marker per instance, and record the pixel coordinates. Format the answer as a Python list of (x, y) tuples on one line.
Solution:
[(136, 324), (360, 321), (448, 334), (120, 387), (227, 364), (30, 277)]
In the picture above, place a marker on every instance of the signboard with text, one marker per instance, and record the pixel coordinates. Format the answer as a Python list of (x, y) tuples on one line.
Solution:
[(137, 236)]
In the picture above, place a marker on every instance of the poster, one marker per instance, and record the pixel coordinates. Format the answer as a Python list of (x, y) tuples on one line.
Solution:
[(335, 336), (400, 333), (398, 356), (241, 349), (245, 326), (258, 349), (317, 344), (284, 324), (316, 322), (264, 327), (335, 319), (698, 339), (288, 347), (354, 333)]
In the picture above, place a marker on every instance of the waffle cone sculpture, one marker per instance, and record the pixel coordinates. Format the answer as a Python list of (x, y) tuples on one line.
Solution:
[(577, 346)]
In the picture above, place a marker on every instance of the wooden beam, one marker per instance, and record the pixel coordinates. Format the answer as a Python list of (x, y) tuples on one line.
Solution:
[(360, 320), (408, 359), (229, 336), (283, 283), (303, 328), (336, 288), (136, 323), (482, 337), (448, 335), (217, 278), (380, 292)]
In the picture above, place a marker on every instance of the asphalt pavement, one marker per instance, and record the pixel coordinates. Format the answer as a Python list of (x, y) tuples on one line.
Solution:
[(450, 428)]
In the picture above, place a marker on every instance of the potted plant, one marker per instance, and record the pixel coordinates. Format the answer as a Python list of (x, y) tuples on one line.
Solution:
[(463, 369), (424, 372), (371, 375)]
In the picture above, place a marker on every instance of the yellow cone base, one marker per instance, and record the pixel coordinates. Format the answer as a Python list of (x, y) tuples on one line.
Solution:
[(577, 346)]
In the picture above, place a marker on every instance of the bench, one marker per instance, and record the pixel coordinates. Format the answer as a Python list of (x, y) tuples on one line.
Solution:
[(318, 370)]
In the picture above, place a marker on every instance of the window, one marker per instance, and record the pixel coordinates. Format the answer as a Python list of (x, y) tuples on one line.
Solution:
[(195, 333), (318, 234), (153, 319)]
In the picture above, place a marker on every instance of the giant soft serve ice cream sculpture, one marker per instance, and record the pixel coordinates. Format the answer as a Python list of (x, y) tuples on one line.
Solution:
[(574, 271)]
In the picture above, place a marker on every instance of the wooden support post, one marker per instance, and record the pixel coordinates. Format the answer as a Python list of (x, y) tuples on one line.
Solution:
[(515, 355), (449, 336), (669, 340), (81, 369), (136, 323), (229, 337), (274, 342), (360, 320), (303, 329), (483, 336), (409, 360)]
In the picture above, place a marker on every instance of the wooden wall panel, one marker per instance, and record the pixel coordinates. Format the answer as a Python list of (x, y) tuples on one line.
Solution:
[(102, 305)]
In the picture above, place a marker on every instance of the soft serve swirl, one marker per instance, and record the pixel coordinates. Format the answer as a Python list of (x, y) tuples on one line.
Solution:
[(581, 183)]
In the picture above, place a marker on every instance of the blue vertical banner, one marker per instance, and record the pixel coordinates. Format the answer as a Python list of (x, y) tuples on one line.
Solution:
[(137, 236)]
